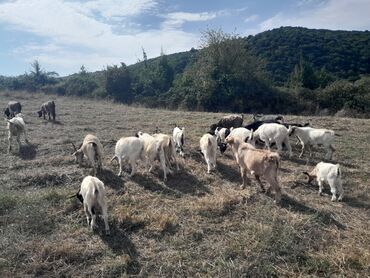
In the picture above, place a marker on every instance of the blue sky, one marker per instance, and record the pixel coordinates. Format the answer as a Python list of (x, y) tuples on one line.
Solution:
[(65, 34)]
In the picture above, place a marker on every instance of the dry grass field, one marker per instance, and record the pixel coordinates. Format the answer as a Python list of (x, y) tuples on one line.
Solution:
[(195, 224)]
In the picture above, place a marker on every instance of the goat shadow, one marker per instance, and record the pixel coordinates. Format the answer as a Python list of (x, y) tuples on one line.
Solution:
[(228, 172), (121, 244), (148, 182), (111, 180), (297, 206), (356, 202), (27, 152), (186, 183)]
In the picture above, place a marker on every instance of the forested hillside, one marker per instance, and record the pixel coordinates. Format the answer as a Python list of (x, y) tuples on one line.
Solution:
[(345, 54), (285, 70)]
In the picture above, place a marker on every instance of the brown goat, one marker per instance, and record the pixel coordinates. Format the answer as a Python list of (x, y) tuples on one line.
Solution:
[(260, 163)]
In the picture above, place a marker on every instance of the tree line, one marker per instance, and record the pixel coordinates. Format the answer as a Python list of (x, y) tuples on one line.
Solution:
[(226, 74)]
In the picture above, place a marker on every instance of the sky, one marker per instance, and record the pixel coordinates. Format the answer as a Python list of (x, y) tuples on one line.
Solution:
[(63, 35)]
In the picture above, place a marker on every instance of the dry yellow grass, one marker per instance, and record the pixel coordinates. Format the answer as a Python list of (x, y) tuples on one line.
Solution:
[(193, 225)]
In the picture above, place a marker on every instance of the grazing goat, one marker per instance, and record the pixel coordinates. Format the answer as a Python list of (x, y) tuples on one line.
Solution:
[(228, 122), (169, 149), (153, 149), (260, 163), (47, 108), (92, 149), (242, 133), (221, 134), (128, 149), (92, 196), (273, 133), (261, 117), (257, 124), (309, 136), (13, 108), (330, 173), (179, 137), (208, 147), (16, 127)]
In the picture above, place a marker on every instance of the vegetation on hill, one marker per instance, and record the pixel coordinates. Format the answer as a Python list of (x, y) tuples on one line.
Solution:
[(285, 70)]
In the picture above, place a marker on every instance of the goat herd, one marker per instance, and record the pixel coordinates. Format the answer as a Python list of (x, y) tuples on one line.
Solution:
[(229, 131)]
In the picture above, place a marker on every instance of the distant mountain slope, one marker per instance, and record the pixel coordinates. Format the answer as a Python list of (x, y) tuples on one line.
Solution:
[(345, 54)]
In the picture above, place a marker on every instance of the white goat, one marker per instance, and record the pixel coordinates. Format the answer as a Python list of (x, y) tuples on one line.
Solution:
[(208, 147), (309, 136), (260, 163), (92, 195), (273, 133), (153, 149), (330, 173), (240, 132), (179, 136), (92, 149), (16, 128), (128, 149), (169, 149), (221, 134)]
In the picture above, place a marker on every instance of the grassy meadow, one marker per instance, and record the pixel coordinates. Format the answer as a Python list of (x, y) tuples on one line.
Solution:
[(195, 224)]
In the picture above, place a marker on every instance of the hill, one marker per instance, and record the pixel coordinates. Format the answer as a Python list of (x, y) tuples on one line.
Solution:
[(345, 54), (195, 224)]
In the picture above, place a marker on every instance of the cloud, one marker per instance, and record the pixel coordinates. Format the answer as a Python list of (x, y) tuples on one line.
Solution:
[(251, 18), (70, 34), (332, 14), (114, 8), (176, 20)]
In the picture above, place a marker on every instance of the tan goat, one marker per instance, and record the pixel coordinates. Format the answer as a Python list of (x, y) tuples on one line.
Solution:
[(260, 163)]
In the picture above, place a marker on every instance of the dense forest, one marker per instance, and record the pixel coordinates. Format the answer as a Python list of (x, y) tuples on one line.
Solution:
[(285, 70)]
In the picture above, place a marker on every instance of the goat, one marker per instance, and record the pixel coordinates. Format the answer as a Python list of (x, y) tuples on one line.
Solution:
[(330, 173), (169, 149), (178, 136), (309, 136), (255, 125), (47, 108), (208, 147), (128, 149), (261, 117), (153, 149), (92, 149), (13, 108), (16, 127), (228, 122), (92, 196), (260, 163), (273, 133), (242, 133), (221, 134)]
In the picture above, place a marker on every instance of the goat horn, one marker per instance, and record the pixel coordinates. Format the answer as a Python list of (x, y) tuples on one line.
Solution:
[(74, 146)]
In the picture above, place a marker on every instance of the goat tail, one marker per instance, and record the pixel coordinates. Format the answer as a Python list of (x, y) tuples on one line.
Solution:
[(336, 134), (339, 172)]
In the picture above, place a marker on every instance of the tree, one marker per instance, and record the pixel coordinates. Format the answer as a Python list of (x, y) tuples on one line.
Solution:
[(118, 83), (226, 76)]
